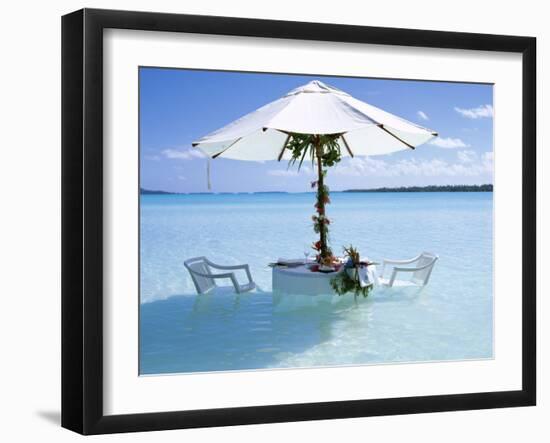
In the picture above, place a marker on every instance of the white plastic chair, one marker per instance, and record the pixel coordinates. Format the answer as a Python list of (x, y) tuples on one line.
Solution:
[(421, 271), (200, 269)]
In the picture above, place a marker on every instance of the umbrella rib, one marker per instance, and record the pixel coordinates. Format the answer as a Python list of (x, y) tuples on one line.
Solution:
[(347, 146), (221, 152), (395, 136)]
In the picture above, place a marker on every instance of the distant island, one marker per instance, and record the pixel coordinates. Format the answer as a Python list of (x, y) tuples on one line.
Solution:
[(433, 188), (155, 192), (148, 191)]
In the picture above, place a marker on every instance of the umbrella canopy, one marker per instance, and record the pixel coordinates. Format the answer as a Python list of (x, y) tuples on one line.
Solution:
[(314, 108)]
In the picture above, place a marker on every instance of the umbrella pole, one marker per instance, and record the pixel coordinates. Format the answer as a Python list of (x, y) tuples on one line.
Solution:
[(320, 200)]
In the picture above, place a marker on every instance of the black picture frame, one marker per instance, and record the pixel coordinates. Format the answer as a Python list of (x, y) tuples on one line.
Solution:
[(82, 218)]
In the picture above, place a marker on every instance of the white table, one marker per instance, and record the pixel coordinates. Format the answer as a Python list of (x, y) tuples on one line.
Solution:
[(301, 280)]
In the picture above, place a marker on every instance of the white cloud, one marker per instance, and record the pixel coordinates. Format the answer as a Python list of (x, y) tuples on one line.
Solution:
[(283, 173), (422, 115), (483, 111), (292, 172), (448, 143), (189, 154), (466, 156), (371, 167), (154, 158)]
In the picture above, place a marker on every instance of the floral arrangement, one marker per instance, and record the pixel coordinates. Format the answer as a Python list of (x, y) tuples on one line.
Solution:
[(353, 256), (348, 280)]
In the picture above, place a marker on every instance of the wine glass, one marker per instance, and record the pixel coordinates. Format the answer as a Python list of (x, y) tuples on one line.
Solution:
[(306, 254)]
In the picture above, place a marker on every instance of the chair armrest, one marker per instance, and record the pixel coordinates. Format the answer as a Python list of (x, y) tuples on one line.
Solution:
[(224, 275), (229, 275), (229, 267), (418, 268), (399, 262), (245, 267), (388, 261)]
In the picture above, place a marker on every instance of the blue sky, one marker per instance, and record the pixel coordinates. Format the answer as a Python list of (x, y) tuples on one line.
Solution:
[(179, 106)]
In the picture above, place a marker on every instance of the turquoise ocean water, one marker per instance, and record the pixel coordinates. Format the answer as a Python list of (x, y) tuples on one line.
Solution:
[(450, 319)]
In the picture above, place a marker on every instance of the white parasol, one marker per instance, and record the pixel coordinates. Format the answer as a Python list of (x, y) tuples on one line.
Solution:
[(314, 108)]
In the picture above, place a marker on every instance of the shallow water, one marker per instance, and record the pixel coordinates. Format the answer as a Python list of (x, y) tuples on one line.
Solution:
[(452, 318)]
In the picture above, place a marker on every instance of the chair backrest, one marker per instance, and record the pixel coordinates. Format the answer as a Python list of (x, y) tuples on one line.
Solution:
[(423, 276), (199, 264)]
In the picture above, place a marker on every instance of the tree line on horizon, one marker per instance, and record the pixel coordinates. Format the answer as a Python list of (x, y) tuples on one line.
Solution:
[(430, 188)]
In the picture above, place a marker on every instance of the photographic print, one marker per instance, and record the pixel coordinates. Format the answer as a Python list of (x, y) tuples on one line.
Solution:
[(302, 221)]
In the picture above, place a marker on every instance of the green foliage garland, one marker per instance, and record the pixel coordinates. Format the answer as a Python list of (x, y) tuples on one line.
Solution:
[(343, 283), (326, 151), (301, 145)]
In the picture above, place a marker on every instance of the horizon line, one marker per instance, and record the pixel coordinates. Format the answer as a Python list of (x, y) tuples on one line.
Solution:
[(424, 188)]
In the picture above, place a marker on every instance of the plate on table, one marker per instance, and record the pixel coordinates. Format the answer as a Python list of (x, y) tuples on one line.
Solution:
[(291, 263)]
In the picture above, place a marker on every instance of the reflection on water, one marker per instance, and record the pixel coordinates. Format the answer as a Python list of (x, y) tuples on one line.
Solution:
[(225, 331)]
